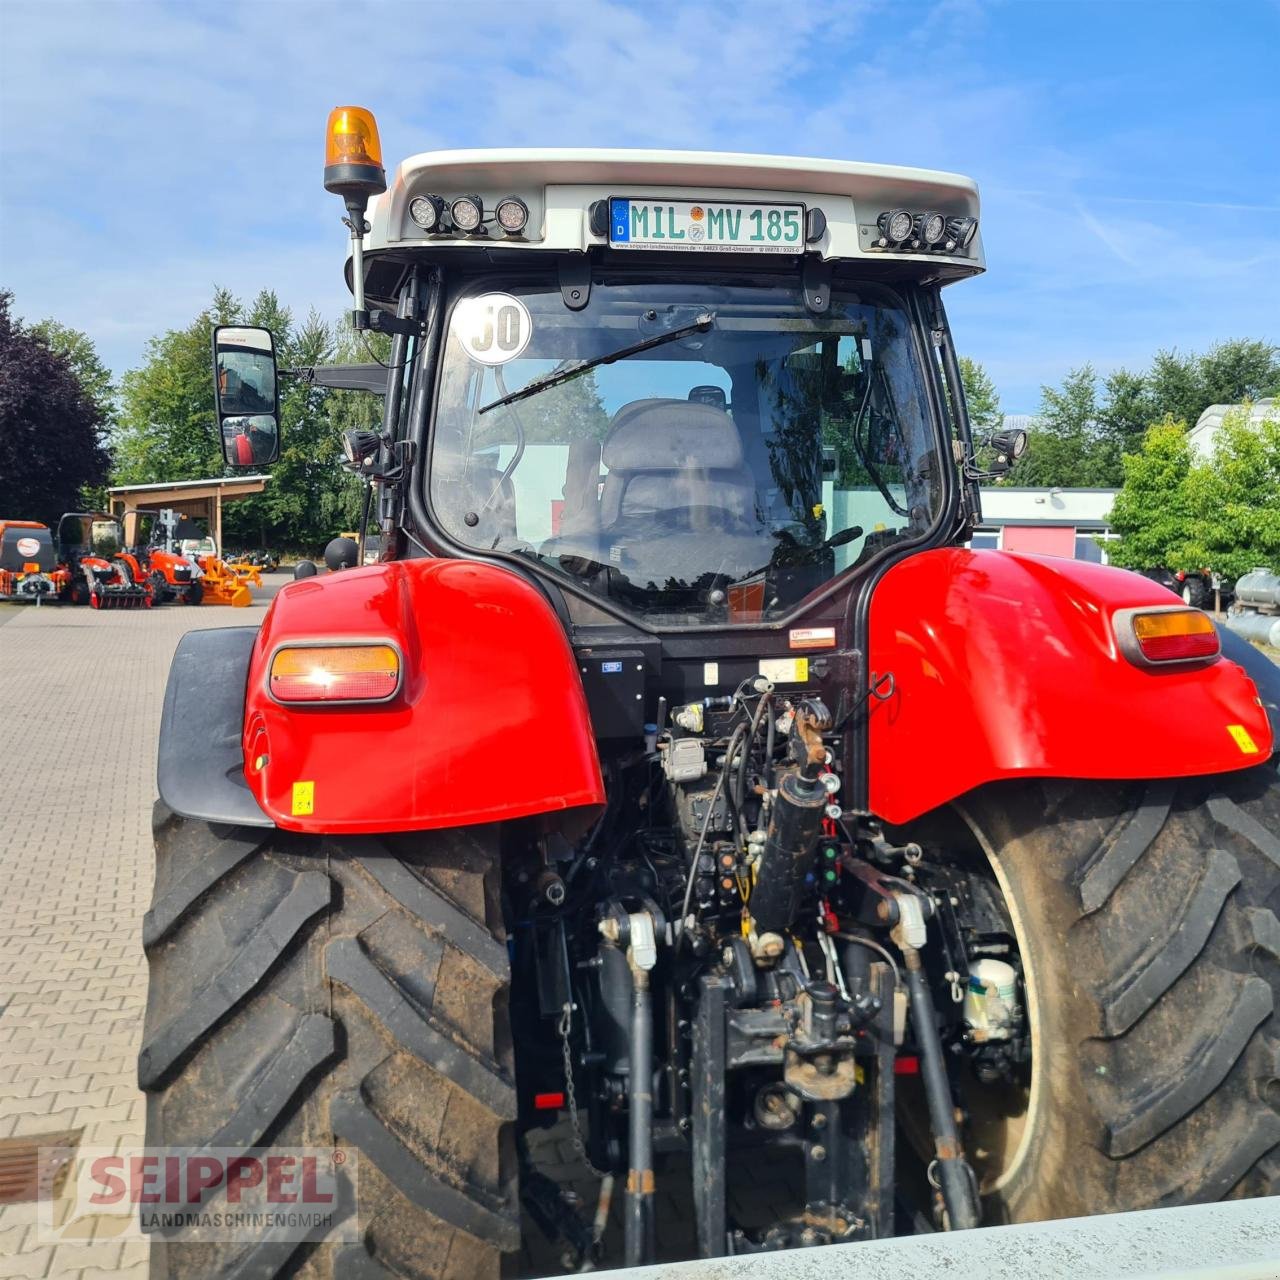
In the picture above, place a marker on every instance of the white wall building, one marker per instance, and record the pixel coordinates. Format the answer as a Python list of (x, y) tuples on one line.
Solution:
[(1049, 522)]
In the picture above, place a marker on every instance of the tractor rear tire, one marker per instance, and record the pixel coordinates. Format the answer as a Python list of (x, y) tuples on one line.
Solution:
[(312, 991), (1146, 918)]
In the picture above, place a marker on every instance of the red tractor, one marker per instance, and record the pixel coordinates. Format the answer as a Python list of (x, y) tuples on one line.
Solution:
[(681, 779), (94, 567)]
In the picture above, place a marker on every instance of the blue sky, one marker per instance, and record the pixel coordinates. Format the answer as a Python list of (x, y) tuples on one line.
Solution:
[(1128, 154)]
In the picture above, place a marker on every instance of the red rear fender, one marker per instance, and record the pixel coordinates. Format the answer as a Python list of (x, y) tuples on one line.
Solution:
[(490, 721), (1006, 665)]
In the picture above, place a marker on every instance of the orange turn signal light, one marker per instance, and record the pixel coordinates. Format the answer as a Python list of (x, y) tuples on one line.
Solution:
[(1170, 635), (335, 673), (352, 138)]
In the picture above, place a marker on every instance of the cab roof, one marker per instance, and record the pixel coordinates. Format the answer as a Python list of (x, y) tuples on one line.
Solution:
[(559, 186)]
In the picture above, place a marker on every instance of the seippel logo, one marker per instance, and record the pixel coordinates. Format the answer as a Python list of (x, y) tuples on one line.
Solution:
[(219, 1194)]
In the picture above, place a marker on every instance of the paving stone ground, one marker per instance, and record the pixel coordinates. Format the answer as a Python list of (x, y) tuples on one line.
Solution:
[(80, 698)]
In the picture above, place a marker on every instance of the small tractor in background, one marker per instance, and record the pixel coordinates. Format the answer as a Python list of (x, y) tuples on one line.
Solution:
[(157, 560), (28, 562), (184, 565), (96, 572)]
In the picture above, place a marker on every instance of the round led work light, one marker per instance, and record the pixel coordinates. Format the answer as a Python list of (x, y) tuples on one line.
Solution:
[(896, 225), (512, 214), (467, 213), (960, 232), (427, 212), (933, 227)]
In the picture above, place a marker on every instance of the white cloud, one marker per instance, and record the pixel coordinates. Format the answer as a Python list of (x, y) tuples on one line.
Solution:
[(151, 150)]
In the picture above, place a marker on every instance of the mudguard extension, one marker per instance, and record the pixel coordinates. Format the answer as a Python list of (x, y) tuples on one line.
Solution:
[(1006, 665), (200, 770), (490, 721)]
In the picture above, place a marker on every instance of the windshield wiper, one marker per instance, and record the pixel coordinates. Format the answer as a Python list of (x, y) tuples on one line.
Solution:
[(700, 325)]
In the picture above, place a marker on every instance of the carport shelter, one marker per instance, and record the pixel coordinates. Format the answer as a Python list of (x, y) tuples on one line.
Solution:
[(195, 499)]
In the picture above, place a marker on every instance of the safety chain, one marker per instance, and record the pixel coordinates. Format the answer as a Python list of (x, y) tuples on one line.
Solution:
[(579, 1145)]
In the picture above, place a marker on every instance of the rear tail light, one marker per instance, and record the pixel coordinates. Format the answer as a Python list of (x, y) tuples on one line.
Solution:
[(1162, 636), (335, 673)]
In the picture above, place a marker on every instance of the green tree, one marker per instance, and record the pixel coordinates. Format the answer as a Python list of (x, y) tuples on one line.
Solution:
[(980, 397), (1124, 415), (1228, 373), (1151, 513), (1233, 499), (168, 429), (1063, 446)]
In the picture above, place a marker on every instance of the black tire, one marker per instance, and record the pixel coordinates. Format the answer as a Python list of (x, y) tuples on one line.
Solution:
[(1195, 592), (1146, 916), (160, 589), (309, 991), (193, 594)]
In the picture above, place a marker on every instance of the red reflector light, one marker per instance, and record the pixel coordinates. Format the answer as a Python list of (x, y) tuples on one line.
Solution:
[(335, 673), (906, 1066), (548, 1101), (1175, 635)]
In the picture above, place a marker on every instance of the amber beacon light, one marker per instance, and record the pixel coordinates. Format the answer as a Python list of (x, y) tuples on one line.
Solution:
[(353, 154), (353, 170)]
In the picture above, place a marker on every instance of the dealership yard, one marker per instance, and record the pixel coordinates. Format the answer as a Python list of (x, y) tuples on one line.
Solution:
[(81, 693)]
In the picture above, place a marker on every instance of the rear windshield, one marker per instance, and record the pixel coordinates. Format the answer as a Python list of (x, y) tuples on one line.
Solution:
[(718, 477)]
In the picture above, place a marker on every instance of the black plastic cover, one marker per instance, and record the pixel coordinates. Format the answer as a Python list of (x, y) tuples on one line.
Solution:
[(613, 680), (15, 560), (200, 771)]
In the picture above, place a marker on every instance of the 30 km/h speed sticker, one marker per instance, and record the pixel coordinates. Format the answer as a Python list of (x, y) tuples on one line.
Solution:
[(492, 328)]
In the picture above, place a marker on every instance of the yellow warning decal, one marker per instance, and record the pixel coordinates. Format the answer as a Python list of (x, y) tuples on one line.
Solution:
[(785, 670), (304, 799), (1242, 739)]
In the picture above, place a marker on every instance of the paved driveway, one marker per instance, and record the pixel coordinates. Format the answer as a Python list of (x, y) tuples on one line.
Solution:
[(80, 697)]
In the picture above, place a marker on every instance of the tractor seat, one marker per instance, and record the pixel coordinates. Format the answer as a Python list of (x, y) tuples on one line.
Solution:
[(664, 455), (677, 496)]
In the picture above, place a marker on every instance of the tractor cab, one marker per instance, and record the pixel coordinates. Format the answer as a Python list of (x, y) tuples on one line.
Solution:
[(90, 534)]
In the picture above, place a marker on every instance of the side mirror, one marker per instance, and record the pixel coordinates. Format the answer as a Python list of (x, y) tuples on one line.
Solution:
[(247, 395)]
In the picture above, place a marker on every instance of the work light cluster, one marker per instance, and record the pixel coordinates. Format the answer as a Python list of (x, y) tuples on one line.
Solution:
[(465, 215), (928, 232)]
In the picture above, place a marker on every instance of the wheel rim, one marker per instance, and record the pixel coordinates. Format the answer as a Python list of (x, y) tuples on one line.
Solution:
[(1002, 1121)]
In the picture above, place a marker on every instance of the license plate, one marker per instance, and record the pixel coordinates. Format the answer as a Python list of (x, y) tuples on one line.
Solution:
[(705, 224)]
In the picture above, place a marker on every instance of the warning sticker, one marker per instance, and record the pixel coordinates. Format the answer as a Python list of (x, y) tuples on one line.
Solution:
[(492, 328), (1242, 739), (785, 670), (304, 799)]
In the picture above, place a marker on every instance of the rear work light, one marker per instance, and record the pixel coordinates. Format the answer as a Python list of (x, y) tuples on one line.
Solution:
[(335, 673), (1163, 636)]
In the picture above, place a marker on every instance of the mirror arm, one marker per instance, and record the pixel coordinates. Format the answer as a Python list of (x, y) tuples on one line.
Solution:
[(385, 322)]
